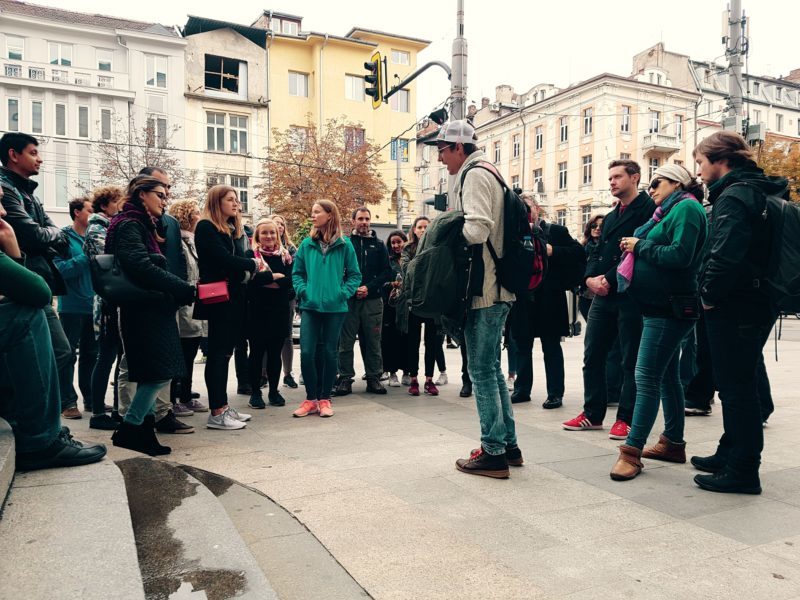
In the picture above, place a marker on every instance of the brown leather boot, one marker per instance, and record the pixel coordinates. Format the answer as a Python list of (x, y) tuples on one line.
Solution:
[(666, 450), (628, 464)]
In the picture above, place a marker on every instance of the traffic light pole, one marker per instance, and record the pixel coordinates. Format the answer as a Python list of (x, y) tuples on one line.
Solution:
[(415, 74)]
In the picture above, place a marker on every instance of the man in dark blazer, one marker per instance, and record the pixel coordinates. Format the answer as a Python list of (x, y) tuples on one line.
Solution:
[(543, 313), (612, 313)]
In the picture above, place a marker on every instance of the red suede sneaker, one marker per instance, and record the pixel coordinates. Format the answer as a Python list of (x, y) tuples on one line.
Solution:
[(581, 423), (619, 431)]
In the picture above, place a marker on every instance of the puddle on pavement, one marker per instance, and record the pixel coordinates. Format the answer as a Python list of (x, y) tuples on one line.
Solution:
[(154, 490)]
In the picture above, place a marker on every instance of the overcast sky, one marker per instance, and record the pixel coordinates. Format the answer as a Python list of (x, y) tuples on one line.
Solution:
[(520, 43)]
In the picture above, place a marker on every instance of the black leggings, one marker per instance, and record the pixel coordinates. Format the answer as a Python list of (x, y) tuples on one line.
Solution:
[(273, 347), (433, 341), (181, 387)]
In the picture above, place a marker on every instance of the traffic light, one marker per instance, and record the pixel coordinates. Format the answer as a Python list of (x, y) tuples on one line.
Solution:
[(374, 79)]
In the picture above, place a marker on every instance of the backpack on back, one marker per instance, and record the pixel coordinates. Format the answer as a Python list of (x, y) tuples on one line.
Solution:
[(782, 275), (524, 263)]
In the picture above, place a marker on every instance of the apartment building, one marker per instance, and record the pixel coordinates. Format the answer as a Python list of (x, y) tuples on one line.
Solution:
[(73, 80)]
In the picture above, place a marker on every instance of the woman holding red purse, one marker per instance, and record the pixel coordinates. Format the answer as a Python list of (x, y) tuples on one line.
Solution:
[(224, 271)]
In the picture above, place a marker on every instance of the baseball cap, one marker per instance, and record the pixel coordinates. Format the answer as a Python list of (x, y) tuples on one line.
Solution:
[(455, 132)]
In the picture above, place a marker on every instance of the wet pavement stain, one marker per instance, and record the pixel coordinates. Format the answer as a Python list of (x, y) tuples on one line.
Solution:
[(154, 490), (216, 483)]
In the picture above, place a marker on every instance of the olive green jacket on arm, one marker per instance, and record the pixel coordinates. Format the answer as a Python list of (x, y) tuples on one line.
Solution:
[(18, 284)]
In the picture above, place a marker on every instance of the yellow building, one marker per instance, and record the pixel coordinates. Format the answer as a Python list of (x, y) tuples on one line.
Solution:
[(290, 74)]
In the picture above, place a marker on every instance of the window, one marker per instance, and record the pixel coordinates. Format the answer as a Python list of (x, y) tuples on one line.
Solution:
[(586, 214), (778, 123), (298, 84), (538, 180), (756, 88), (426, 181), (515, 145), (215, 132), (157, 131), (15, 47), (497, 152), (778, 94), (655, 121), (105, 123), (538, 138), (400, 57), (679, 127), (239, 183), (403, 150), (37, 120), (625, 124), (238, 135), (105, 60), (561, 217), (756, 117), (155, 70), (587, 121), (654, 164), (562, 175), (399, 102), (61, 119), (354, 88), (60, 54), (564, 128), (354, 138), (225, 75), (587, 169), (426, 153), (83, 121), (13, 114), (213, 179), (62, 187), (515, 181), (624, 156), (299, 137)]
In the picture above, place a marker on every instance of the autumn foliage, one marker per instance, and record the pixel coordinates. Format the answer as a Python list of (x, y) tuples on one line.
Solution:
[(305, 164), (782, 158)]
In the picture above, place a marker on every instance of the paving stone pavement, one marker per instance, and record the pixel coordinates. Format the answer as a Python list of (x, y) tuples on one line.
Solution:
[(377, 486)]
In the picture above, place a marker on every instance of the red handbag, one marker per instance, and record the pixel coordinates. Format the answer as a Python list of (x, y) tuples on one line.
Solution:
[(213, 293)]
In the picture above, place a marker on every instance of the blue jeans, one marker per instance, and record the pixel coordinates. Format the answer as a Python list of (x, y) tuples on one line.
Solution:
[(319, 351), (483, 333), (27, 351), (658, 376), (144, 401), (63, 353)]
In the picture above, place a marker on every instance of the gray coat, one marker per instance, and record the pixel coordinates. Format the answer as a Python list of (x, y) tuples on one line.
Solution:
[(187, 326)]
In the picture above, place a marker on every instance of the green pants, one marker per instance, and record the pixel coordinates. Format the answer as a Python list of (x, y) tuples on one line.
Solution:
[(365, 319)]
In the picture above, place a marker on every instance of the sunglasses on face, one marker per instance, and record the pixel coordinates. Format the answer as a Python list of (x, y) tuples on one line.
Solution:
[(656, 182), (594, 226), (443, 148), (161, 195)]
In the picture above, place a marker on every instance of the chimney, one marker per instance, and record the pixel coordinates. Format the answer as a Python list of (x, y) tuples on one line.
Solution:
[(484, 102), (793, 76)]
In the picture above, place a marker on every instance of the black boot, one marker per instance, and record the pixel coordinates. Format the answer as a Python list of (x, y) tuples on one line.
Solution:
[(728, 481), (256, 400), (466, 389), (139, 438), (374, 387), (275, 399), (709, 464)]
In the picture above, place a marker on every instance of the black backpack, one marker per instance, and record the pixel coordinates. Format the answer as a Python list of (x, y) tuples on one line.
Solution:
[(524, 263), (782, 275)]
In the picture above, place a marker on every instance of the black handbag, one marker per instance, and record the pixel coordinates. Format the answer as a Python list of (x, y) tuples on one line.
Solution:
[(685, 308), (112, 284)]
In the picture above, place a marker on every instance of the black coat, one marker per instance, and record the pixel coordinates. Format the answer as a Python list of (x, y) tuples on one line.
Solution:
[(39, 238), (545, 314), (150, 332), (269, 310), (373, 261), (606, 254)]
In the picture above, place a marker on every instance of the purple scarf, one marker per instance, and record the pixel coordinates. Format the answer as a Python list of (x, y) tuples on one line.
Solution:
[(133, 211)]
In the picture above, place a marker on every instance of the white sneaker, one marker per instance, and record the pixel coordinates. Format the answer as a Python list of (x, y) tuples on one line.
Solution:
[(224, 421), (239, 416), (442, 379), (510, 383), (406, 380), (385, 376), (393, 381)]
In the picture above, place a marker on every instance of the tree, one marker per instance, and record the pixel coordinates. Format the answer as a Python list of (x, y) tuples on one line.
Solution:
[(782, 158), (305, 164)]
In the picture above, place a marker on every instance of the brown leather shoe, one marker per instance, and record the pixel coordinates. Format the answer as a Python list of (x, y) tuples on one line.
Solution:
[(628, 464), (666, 450), (71, 413)]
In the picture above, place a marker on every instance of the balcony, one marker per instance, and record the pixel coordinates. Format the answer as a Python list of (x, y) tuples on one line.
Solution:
[(83, 79), (13, 70), (34, 73), (59, 76), (104, 81), (657, 142)]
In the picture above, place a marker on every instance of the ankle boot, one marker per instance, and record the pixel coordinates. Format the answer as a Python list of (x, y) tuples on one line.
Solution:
[(628, 464), (666, 450), (139, 438)]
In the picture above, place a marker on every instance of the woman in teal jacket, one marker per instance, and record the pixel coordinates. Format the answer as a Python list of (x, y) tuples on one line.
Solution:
[(659, 270), (325, 276)]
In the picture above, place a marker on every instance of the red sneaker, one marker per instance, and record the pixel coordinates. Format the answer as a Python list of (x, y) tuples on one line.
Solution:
[(619, 431), (431, 389), (581, 423), (413, 389)]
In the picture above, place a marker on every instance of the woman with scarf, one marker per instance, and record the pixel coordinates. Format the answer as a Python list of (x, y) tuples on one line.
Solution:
[(393, 341), (149, 332), (269, 311), (325, 276), (660, 270), (287, 354)]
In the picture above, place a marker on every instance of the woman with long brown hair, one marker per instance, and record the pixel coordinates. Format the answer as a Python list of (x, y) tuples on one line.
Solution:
[(221, 252), (287, 354), (325, 276)]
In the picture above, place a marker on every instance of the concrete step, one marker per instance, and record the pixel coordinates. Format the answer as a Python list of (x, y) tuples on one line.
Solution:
[(66, 533), (297, 565), (188, 547), (7, 458)]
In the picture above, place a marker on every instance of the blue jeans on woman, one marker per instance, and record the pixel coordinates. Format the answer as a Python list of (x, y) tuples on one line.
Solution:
[(319, 351), (144, 401), (658, 376)]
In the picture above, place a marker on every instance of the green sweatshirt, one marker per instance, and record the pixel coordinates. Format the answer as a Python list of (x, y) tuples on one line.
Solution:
[(22, 286), (668, 260), (324, 282)]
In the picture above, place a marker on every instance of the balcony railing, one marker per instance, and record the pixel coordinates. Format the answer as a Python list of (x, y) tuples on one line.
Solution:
[(34, 73), (59, 76), (658, 142), (104, 81), (83, 79), (13, 70)]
